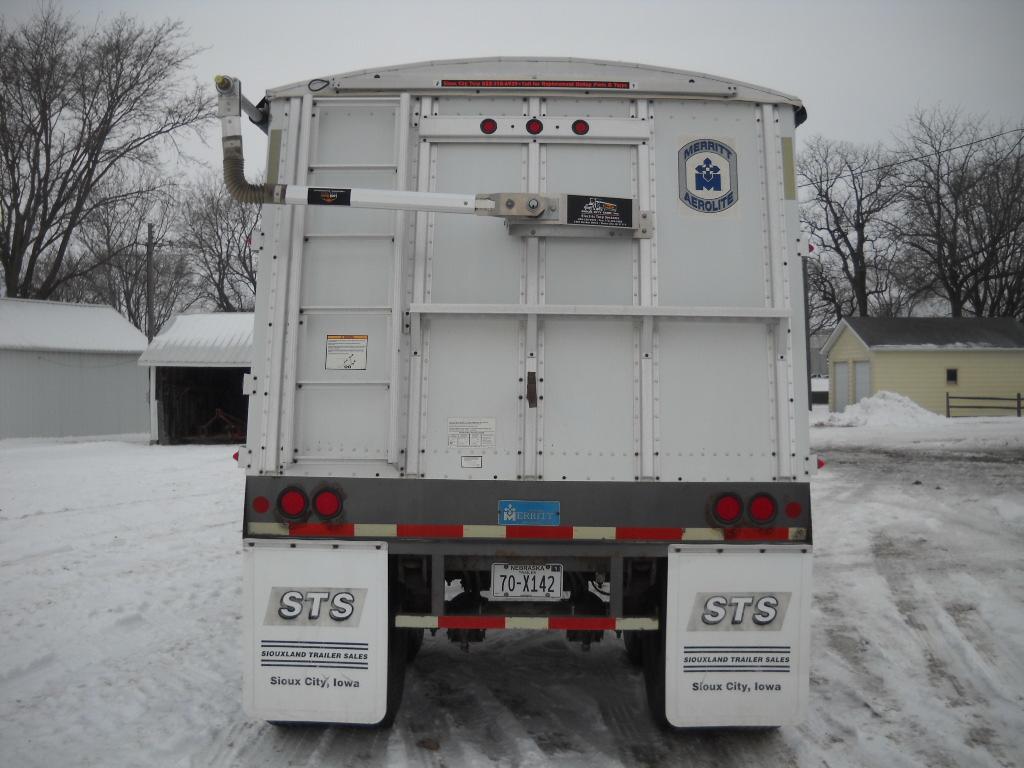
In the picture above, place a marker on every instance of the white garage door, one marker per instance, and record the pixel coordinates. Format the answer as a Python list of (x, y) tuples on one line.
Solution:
[(861, 381), (841, 375)]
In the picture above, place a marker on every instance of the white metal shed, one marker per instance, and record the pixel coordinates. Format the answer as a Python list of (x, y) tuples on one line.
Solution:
[(69, 370), (198, 362)]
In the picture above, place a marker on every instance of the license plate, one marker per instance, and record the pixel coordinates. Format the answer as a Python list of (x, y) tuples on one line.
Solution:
[(516, 581)]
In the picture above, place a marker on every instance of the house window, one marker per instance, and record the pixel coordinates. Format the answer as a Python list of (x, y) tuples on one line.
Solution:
[(951, 375)]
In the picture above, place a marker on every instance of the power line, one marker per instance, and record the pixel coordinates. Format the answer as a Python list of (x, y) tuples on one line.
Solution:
[(906, 160)]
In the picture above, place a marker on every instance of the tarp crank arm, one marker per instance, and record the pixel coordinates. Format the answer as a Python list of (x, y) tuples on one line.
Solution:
[(230, 102)]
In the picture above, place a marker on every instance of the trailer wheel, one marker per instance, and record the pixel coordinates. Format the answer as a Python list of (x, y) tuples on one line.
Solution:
[(634, 647), (653, 653), (414, 641)]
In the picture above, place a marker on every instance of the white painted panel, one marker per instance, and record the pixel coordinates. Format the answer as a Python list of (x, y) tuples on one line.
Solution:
[(321, 219), (589, 270), (348, 272), (355, 133), (582, 169), (842, 386), (861, 380), (714, 412), (342, 422), (573, 109), (482, 106), (589, 406), (473, 258), (709, 259), (472, 373), (317, 326)]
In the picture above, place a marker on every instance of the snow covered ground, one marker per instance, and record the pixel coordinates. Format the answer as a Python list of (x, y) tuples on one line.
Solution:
[(119, 624)]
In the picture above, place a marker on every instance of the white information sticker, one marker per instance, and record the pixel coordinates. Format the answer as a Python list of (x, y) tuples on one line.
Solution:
[(469, 432), (472, 462), (346, 353)]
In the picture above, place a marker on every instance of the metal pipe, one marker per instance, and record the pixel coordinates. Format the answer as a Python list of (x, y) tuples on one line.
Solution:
[(229, 110)]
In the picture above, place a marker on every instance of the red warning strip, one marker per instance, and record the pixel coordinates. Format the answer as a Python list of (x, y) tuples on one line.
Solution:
[(578, 623), (612, 85)]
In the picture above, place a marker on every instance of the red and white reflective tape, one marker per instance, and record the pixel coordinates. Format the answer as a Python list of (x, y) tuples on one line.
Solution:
[(528, 532), (591, 623)]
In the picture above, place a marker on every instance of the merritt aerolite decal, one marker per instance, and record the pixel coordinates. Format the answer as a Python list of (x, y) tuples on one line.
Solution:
[(708, 178)]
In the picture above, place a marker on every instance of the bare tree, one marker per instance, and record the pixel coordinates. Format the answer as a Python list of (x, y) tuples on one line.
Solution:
[(218, 233), (853, 198), (113, 237), (995, 228), (964, 216), (76, 105)]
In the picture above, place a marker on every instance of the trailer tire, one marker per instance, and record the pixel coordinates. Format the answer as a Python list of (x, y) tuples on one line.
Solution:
[(653, 653), (414, 641), (398, 652), (634, 647)]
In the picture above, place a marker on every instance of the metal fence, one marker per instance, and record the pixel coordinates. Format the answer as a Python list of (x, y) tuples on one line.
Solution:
[(1014, 404)]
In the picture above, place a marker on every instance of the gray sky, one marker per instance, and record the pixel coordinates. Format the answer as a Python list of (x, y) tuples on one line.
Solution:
[(860, 66)]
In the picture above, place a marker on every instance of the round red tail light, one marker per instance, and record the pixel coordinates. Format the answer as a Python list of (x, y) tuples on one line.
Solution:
[(327, 503), (260, 504), (534, 126), (580, 127), (728, 509), (488, 125), (762, 508), (292, 502)]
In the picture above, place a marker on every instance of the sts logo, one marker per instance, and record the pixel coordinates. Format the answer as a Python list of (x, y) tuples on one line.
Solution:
[(739, 611), (315, 606), (708, 181)]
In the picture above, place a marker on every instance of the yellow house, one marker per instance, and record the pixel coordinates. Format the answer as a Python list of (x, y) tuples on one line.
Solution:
[(926, 359)]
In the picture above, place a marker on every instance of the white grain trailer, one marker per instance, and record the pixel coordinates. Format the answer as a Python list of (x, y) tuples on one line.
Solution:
[(531, 331)]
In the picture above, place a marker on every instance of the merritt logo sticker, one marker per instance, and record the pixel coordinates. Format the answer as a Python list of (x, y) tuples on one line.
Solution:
[(708, 181)]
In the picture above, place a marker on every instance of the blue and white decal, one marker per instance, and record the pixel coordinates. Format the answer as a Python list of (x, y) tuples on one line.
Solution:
[(708, 181), (518, 512)]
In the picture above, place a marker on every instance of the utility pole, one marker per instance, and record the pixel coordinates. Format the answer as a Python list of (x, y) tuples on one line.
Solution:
[(150, 322)]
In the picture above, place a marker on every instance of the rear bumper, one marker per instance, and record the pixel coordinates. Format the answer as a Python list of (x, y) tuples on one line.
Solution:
[(412, 512)]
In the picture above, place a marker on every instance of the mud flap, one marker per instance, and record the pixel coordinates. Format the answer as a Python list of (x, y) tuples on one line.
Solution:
[(737, 636), (315, 631)]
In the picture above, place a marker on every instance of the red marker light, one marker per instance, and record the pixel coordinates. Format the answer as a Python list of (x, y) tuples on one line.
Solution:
[(488, 125), (793, 510), (327, 503), (821, 463), (580, 127), (762, 509), (728, 509), (292, 502), (534, 126), (260, 504), (235, 456)]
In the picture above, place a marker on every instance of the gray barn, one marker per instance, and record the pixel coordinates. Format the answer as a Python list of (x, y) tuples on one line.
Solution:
[(70, 370)]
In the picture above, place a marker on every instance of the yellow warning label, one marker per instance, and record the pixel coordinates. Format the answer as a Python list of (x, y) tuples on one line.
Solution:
[(346, 352)]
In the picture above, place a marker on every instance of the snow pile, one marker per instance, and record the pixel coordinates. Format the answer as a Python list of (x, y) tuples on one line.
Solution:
[(884, 409)]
